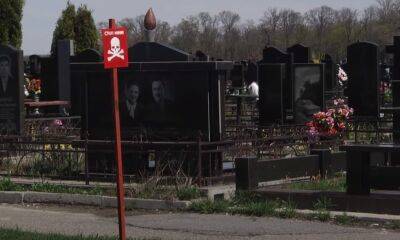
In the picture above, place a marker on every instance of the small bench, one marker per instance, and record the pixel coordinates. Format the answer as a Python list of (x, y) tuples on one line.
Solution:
[(361, 176)]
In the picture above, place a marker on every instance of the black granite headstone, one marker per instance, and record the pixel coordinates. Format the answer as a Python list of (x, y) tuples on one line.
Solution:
[(156, 52), (251, 73), (362, 61), (237, 75), (55, 73), (271, 78), (274, 55), (48, 75), (78, 93), (163, 97), (11, 91), (88, 55), (201, 56), (308, 91), (301, 54), (330, 72), (35, 65), (65, 49)]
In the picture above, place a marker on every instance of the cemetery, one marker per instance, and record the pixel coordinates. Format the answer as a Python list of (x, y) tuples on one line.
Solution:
[(195, 118), (288, 127)]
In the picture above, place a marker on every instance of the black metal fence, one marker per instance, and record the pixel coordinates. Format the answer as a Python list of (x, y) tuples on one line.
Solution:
[(53, 147)]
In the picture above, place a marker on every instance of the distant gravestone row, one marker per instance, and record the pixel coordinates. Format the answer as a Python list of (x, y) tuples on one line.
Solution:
[(291, 88)]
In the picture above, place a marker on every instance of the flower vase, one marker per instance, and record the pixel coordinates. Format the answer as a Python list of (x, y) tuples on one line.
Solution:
[(36, 98)]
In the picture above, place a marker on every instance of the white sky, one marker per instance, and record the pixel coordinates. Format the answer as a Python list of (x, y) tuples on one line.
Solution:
[(40, 16)]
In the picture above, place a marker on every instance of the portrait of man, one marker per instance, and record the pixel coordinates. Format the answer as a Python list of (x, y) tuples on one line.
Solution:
[(132, 110), (160, 110), (6, 82)]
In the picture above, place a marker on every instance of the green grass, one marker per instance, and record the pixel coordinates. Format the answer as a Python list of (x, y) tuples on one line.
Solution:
[(337, 184), (188, 193), (321, 209), (323, 203), (16, 234), (146, 192), (208, 206), (288, 209), (7, 185), (394, 224), (52, 188)]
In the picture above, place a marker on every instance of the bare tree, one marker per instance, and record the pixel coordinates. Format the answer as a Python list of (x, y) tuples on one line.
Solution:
[(251, 38), (321, 20), (270, 24), (135, 29), (289, 22), (323, 29), (348, 21), (209, 34), (163, 32), (387, 10), (368, 18), (186, 34), (229, 24)]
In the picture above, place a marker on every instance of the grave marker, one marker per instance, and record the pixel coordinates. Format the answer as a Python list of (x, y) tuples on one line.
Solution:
[(271, 78), (301, 53), (362, 64), (274, 56), (11, 91), (308, 88), (330, 72), (237, 75)]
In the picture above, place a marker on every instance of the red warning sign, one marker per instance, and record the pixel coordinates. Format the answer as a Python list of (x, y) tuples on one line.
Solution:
[(115, 47)]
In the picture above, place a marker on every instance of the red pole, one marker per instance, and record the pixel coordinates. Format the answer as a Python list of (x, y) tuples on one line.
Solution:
[(118, 152)]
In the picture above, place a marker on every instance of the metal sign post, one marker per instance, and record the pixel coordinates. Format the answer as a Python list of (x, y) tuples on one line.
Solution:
[(116, 56)]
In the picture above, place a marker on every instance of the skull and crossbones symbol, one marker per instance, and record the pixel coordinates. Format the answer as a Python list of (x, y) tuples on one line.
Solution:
[(115, 50)]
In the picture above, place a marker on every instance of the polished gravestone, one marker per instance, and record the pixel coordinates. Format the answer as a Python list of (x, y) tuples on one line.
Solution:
[(301, 54), (201, 56), (163, 97), (272, 55), (11, 91), (78, 104), (362, 64), (330, 72), (271, 77), (308, 91), (251, 72), (237, 75), (56, 77)]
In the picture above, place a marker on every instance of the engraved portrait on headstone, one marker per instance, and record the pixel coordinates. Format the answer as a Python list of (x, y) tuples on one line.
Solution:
[(161, 107), (11, 90), (132, 108), (308, 91), (5, 76)]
